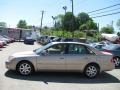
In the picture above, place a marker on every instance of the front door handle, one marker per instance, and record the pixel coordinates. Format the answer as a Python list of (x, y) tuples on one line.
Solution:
[(61, 58)]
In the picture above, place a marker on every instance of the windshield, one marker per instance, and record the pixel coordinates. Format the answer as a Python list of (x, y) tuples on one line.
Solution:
[(37, 51)]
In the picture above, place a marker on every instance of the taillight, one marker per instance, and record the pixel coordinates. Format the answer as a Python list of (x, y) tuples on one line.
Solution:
[(106, 51)]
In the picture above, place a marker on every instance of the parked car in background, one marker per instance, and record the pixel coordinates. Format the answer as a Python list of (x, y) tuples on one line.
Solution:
[(57, 39), (29, 41), (115, 50), (98, 46), (62, 56), (1, 45), (43, 39), (11, 39), (51, 38), (4, 39)]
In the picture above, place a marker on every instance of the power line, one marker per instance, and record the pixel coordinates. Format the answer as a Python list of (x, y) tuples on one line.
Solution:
[(105, 11), (104, 8), (106, 15)]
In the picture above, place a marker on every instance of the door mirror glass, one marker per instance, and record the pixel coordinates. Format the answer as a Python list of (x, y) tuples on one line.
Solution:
[(44, 53)]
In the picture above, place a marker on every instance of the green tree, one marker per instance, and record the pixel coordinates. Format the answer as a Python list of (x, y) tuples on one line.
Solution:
[(91, 25), (83, 18), (108, 29), (3, 24), (118, 33), (85, 22), (69, 22), (22, 24), (83, 27)]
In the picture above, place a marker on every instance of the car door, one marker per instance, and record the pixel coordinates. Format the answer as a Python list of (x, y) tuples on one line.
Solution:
[(53, 60), (78, 56)]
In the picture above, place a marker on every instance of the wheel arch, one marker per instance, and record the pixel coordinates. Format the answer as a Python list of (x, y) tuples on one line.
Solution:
[(25, 61), (92, 63), (116, 56)]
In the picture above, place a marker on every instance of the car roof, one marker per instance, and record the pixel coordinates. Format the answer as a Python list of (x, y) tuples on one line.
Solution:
[(69, 43)]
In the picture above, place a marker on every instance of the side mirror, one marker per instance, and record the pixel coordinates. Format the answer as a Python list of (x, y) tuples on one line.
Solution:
[(44, 53)]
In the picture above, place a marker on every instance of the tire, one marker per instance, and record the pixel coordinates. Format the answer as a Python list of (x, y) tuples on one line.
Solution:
[(91, 71), (116, 61), (25, 68)]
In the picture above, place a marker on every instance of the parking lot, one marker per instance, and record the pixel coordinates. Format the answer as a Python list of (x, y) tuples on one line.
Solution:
[(50, 80)]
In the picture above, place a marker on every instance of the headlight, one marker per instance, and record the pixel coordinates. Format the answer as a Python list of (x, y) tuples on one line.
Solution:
[(10, 58)]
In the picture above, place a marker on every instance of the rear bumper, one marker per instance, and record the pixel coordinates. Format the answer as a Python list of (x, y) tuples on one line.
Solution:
[(108, 67)]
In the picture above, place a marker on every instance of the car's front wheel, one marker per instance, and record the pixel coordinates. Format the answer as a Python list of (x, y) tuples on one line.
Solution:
[(25, 68), (91, 71)]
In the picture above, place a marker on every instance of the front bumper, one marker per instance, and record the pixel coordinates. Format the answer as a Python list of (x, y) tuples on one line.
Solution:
[(10, 65)]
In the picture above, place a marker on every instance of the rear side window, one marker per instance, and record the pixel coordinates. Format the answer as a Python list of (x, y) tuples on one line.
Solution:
[(77, 49)]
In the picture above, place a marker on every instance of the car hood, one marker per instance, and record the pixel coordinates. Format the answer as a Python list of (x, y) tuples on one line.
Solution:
[(24, 54)]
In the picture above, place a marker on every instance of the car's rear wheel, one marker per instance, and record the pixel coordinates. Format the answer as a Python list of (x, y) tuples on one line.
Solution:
[(25, 68), (116, 61), (91, 71)]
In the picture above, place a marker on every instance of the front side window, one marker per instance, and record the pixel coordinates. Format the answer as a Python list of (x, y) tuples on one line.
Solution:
[(56, 49), (77, 49)]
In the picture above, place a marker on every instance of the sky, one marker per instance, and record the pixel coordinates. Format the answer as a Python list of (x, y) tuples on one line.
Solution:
[(30, 10)]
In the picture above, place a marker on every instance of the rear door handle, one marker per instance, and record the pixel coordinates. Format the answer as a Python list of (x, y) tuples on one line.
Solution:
[(86, 57)]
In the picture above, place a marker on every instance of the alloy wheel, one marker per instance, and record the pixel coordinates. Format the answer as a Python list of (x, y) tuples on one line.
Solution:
[(25, 68), (91, 71), (117, 61)]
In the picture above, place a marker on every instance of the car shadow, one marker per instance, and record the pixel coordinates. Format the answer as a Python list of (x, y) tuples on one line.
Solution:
[(117, 67), (63, 77)]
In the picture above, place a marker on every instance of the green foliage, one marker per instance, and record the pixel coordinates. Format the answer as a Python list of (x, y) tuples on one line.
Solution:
[(83, 27), (62, 33), (69, 22), (118, 33), (79, 34), (83, 18), (86, 23), (3, 24), (91, 25), (22, 24), (108, 29)]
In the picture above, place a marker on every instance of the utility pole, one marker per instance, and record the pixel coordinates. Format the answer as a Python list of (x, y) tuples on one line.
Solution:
[(73, 24), (41, 20), (72, 7)]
